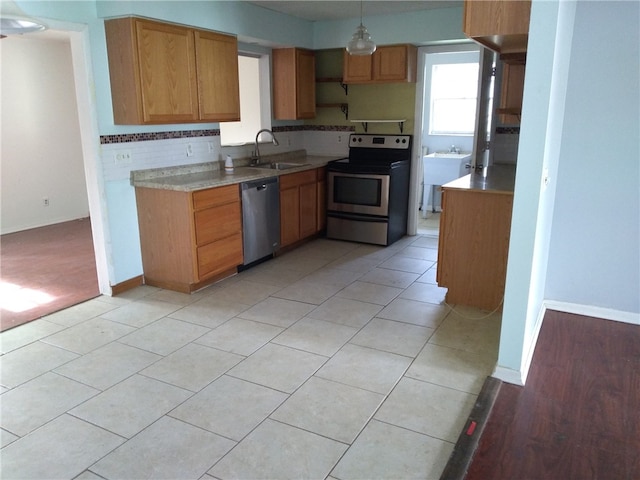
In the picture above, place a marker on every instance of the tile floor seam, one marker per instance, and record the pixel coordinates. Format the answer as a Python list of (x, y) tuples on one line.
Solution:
[(143, 296), (415, 431)]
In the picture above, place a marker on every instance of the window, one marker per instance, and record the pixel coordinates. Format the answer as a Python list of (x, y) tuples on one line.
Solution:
[(255, 101), (454, 89)]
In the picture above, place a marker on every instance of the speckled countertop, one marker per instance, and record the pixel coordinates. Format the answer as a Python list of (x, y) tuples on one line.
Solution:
[(189, 178), (496, 179)]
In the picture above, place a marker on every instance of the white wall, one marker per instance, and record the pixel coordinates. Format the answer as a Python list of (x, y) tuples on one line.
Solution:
[(548, 55), (575, 244), (41, 152), (594, 257)]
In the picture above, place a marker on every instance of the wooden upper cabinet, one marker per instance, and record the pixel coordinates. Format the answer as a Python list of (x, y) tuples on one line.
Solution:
[(388, 64), (511, 93), (156, 76), (501, 25), (357, 68), (294, 83), (217, 69)]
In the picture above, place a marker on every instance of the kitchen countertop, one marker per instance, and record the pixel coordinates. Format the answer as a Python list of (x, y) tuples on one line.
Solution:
[(496, 179), (189, 178)]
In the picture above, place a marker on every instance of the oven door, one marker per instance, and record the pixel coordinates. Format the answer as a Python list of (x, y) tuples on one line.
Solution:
[(358, 193)]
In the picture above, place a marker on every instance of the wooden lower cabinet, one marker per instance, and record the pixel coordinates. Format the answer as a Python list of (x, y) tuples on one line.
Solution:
[(189, 239), (473, 246), (300, 206)]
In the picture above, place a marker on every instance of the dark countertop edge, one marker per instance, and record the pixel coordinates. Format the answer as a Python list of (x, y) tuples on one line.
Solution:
[(202, 180), (498, 179)]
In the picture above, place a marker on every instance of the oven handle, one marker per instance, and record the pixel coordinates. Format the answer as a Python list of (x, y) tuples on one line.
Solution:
[(358, 217)]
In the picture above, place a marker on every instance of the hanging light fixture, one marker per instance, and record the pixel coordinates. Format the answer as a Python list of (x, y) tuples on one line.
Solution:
[(14, 21), (361, 43)]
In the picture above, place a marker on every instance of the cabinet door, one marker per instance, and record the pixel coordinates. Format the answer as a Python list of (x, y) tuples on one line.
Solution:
[(289, 216), (501, 25), (217, 68), (294, 83), (167, 69), (305, 84), (219, 256), (390, 63), (473, 246), (357, 68), (496, 17), (308, 209), (217, 222), (511, 93)]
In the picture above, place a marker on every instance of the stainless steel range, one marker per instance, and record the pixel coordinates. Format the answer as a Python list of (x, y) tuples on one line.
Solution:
[(368, 192)]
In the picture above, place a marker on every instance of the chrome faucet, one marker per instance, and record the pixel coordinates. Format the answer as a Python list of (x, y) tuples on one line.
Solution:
[(255, 160)]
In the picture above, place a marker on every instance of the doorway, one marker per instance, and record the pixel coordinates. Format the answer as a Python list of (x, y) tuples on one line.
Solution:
[(73, 189), (433, 135)]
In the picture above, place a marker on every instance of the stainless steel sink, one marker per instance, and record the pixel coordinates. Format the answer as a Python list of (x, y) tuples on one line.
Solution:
[(282, 165)]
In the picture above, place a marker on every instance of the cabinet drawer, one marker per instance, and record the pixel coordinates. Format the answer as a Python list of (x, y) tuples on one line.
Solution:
[(217, 222), (217, 257), (295, 179), (216, 196)]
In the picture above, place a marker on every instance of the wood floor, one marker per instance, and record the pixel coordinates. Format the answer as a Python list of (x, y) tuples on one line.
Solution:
[(44, 270), (578, 416)]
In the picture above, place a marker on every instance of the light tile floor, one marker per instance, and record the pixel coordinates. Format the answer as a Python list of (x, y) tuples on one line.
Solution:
[(336, 360), (429, 224)]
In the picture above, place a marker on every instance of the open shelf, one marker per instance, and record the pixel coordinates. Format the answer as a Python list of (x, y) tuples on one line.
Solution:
[(344, 86), (365, 122), (344, 107)]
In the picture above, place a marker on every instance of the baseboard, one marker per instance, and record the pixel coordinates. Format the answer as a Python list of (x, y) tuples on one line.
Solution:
[(508, 375), (122, 287), (48, 223), (593, 311), (520, 377), (534, 341)]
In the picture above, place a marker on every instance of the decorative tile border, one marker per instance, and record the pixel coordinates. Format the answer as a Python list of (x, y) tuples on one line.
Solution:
[(141, 137), (512, 130)]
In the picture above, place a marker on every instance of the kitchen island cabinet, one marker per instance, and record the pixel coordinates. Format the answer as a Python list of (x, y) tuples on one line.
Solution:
[(189, 239), (388, 64), (165, 73), (473, 244)]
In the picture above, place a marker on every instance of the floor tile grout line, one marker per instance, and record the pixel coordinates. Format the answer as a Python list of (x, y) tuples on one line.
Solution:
[(315, 307)]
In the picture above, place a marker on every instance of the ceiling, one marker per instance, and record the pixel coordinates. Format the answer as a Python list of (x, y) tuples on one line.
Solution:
[(319, 10)]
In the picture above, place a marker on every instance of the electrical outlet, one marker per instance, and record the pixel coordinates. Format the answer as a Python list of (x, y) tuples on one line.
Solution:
[(339, 138), (45, 201), (189, 150), (123, 157), (210, 145)]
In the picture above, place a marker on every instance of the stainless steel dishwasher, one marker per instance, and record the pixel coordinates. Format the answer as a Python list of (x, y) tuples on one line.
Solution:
[(260, 219)]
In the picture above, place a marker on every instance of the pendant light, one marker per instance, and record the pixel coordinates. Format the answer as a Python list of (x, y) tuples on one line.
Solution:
[(14, 21), (361, 43)]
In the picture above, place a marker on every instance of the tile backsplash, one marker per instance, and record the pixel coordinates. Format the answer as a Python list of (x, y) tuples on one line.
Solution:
[(505, 145), (123, 153)]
